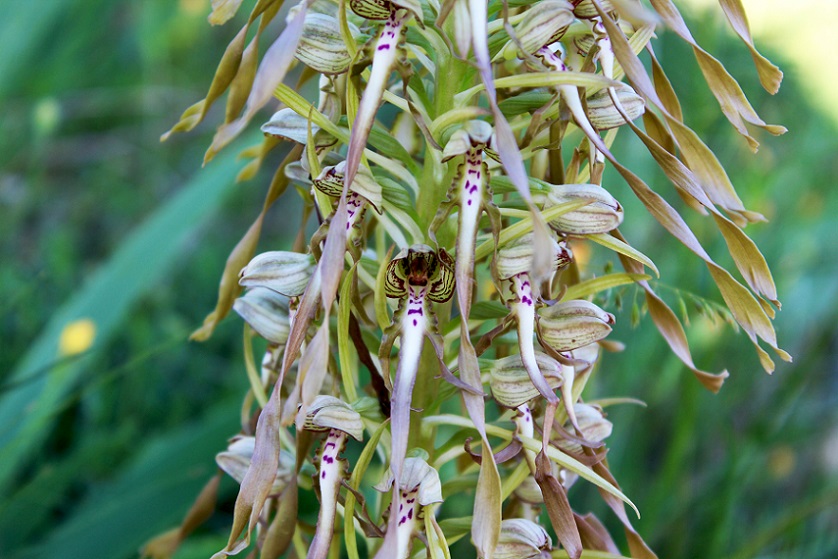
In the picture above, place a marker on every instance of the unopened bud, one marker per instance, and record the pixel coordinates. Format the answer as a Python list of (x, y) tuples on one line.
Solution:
[(529, 491), (285, 123), (595, 428), (284, 272), (586, 9), (544, 23), (266, 311), (511, 384), (602, 215), (604, 115), (321, 46), (516, 257), (568, 325), (521, 539)]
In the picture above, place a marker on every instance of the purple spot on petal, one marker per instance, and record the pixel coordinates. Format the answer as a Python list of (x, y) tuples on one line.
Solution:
[(414, 322), (323, 475), (383, 47), (469, 202)]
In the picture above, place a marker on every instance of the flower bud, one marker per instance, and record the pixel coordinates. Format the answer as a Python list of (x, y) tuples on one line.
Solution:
[(604, 115), (321, 46), (602, 215), (586, 9), (529, 491), (595, 428), (588, 354), (571, 324), (266, 311), (511, 384), (235, 461), (544, 23), (521, 539), (327, 413), (516, 257), (281, 271), (285, 123)]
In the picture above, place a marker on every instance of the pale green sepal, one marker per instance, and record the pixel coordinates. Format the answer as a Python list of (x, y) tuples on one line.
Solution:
[(285, 123), (568, 325), (267, 313), (521, 539), (511, 384), (321, 46), (604, 115), (603, 214), (328, 412), (284, 272)]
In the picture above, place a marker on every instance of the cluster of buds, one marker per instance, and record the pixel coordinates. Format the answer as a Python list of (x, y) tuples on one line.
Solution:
[(494, 207)]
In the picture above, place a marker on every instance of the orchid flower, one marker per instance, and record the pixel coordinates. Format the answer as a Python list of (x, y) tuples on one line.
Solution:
[(418, 488), (339, 421)]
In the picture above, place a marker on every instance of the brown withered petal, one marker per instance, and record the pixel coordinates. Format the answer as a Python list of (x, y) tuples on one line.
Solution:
[(271, 72), (223, 10), (558, 507)]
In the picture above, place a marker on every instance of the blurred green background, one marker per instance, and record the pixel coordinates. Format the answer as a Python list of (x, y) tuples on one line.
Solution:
[(122, 239)]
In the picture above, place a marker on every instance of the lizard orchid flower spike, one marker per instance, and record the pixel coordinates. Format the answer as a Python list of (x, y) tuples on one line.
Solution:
[(479, 80)]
